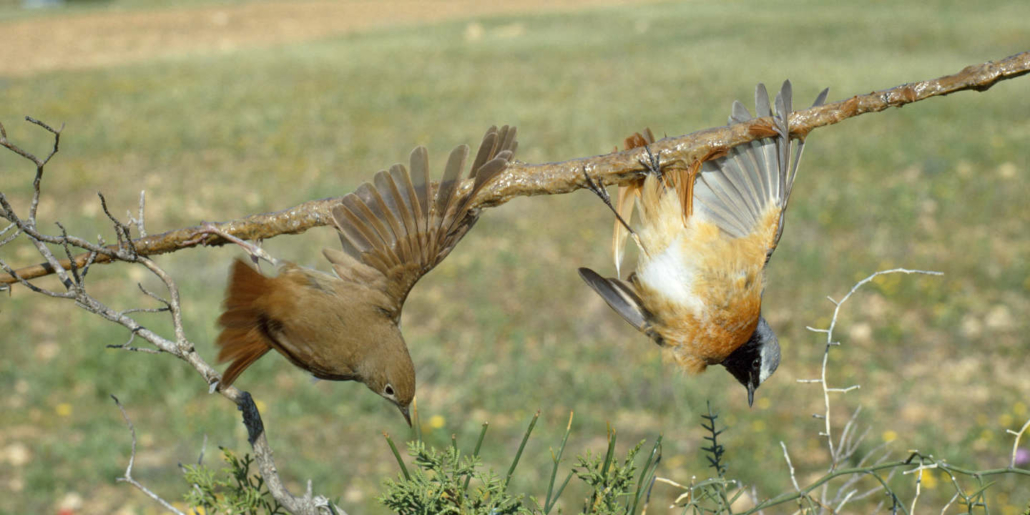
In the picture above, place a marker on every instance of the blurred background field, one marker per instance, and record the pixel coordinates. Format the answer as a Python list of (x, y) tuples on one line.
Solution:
[(219, 112)]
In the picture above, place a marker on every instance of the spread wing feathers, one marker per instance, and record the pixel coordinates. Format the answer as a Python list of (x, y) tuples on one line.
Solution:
[(621, 297), (396, 228), (735, 191), (625, 200)]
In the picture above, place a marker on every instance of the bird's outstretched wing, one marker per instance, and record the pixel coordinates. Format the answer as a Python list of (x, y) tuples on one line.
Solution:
[(396, 229), (752, 182)]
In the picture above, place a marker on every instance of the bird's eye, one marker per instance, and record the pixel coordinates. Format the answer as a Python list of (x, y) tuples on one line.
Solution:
[(388, 390), (756, 362)]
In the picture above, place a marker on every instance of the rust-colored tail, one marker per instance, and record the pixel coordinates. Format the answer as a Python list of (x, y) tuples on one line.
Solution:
[(243, 339)]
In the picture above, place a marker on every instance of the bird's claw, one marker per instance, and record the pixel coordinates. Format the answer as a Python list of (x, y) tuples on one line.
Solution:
[(597, 188)]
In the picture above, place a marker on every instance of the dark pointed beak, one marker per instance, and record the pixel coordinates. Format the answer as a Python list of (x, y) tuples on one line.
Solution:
[(750, 394), (407, 414)]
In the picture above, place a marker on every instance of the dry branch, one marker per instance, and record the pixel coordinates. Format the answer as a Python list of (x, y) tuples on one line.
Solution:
[(73, 276), (523, 179)]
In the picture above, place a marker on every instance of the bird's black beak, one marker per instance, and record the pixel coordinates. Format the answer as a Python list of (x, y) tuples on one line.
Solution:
[(406, 411), (750, 394)]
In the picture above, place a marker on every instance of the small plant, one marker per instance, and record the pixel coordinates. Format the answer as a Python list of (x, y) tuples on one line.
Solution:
[(614, 489), (440, 481), (238, 491), (438, 484), (710, 495), (715, 450)]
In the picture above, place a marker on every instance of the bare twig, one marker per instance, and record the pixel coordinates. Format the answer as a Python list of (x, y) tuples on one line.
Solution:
[(835, 454), (138, 220), (522, 179), (132, 458), (786, 456), (1015, 444)]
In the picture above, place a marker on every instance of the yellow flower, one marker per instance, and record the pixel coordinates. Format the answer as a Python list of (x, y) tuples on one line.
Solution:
[(63, 409), (758, 426), (260, 405), (763, 403), (889, 436), (436, 421)]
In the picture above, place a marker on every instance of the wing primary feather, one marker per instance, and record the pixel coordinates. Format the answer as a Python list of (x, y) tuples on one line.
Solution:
[(762, 108), (352, 226), (387, 197), (486, 150), (746, 178), (410, 205), (821, 98), (496, 150), (445, 197), (508, 137), (420, 180), (739, 113), (736, 194), (395, 196), (446, 194), (618, 297), (388, 248), (377, 213)]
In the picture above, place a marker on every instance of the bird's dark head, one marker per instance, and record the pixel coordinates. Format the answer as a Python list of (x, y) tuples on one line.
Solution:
[(756, 360)]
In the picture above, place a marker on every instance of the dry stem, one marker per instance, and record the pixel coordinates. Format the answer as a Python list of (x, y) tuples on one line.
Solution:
[(73, 274)]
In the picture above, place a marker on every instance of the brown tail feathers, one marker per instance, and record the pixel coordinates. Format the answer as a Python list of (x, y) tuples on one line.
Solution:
[(242, 340)]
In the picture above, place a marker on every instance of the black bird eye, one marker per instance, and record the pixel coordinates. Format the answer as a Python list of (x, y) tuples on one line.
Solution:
[(756, 362), (388, 390)]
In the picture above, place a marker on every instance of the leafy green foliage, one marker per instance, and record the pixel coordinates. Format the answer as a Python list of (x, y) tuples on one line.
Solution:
[(710, 495), (612, 483), (438, 485), (238, 491), (440, 481), (714, 449)]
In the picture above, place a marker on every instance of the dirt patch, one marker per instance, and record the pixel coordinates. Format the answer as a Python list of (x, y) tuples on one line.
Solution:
[(114, 38)]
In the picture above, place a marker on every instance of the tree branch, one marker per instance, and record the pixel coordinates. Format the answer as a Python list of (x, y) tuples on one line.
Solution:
[(523, 179)]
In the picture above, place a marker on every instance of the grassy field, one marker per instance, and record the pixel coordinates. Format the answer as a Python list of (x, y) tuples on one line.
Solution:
[(504, 327)]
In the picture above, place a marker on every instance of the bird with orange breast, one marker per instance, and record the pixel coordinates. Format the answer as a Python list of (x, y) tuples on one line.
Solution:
[(705, 235), (346, 326)]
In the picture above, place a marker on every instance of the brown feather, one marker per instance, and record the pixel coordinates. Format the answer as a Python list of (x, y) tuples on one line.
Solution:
[(626, 198), (241, 340)]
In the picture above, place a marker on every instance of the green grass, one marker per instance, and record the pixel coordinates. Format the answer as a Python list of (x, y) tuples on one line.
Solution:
[(505, 327)]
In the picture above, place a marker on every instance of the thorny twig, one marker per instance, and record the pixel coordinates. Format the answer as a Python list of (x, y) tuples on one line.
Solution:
[(132, 458), (836, 455)]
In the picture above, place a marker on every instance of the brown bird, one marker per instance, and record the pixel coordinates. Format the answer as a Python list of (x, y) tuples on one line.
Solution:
[(706, 233), (346, 327)]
